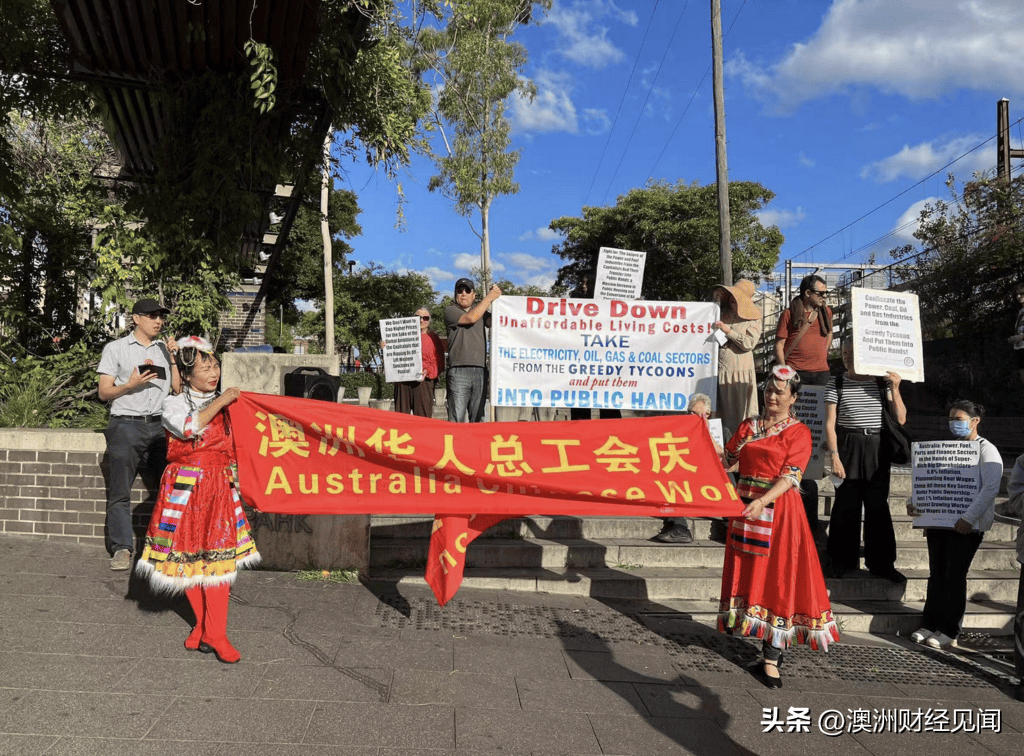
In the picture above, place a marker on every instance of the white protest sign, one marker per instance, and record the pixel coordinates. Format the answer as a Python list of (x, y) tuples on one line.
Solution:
[(715, 427), (601, 354), (810, 410), (887, 333), (403, 357), (620, 273), (946, 477)]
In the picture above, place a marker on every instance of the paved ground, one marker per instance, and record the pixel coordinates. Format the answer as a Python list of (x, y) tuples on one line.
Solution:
[(90, 664)]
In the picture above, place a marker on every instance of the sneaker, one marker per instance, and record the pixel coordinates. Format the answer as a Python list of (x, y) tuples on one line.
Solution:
[(941, 641), (920, 636), (679, 534), (892, 575), (122, 560)]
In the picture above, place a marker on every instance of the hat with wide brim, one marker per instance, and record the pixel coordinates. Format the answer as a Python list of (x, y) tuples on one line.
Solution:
[(742, 293)]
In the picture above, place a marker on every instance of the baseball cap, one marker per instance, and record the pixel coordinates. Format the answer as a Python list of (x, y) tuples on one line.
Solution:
[(144, 306), (465, 283)]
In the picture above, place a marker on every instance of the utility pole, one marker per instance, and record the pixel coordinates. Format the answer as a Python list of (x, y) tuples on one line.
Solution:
[(1004, 152), (721, 164), (325, 230)]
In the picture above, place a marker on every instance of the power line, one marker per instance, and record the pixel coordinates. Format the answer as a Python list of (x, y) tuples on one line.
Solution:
[(619, 109), (646, 99), (896, 197), (694, 95)]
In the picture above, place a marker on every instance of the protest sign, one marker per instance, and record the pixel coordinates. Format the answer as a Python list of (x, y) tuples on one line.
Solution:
[(946, 478), (887, 333), (403, 356), (715, 428), (810, 410), (602, 354), (620, 273)]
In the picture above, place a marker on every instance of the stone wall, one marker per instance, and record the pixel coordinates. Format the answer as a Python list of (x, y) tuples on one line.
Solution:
[(53, 486)]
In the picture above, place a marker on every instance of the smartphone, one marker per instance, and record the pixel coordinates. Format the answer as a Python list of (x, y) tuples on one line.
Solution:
[(160, 371)]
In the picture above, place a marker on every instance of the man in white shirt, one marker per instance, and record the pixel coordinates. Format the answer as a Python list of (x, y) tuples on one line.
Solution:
[(135, 374)]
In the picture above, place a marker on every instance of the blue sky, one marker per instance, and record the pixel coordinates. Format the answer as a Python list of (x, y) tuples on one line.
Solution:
[(837, 107)]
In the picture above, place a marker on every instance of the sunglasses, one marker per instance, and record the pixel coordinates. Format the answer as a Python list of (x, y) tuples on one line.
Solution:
[(424, 317), (463, 290), (154, 315)]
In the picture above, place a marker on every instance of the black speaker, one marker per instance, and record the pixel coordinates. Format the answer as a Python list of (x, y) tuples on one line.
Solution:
[(311, 383)]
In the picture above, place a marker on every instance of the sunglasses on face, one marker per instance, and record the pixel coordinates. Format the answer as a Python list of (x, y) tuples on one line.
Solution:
[(154, 315), (463, 290), (424, 317)]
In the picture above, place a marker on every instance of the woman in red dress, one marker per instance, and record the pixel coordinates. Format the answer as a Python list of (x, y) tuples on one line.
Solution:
[(199, 535), (772, 586)]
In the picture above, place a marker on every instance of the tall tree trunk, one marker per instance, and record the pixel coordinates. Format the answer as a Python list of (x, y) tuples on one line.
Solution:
[(325, 230)]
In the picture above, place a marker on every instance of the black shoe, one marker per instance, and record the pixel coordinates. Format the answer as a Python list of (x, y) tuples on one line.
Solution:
[(678, 534), (835, 571), (757, 669), (892, 575)]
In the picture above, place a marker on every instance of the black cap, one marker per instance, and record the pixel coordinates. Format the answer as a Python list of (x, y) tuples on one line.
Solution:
[(144, 306), (465, 282)]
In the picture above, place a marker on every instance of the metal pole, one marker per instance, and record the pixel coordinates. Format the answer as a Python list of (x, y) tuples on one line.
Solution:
[(721, 163)]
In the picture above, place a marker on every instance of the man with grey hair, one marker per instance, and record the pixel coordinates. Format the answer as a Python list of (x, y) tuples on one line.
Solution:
[(680, 529)]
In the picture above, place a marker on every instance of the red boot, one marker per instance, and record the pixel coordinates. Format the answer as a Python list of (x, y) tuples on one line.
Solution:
[(195, 600), (215, 624)]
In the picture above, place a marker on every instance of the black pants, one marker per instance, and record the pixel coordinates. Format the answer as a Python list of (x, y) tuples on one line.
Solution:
[(949, 558), (1018, 628), (131, 445), (865, 489), (416, 397)]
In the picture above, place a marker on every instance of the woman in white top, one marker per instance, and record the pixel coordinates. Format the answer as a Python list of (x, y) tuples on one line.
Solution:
[(951, 551)]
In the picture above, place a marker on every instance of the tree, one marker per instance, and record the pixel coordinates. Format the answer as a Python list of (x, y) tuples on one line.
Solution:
[(971, 258), (477, 68), (46, 260), (677, 226), (369, 295)]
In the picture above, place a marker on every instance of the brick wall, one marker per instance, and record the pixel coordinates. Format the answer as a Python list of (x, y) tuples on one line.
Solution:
[(52, 492), (232, 322)]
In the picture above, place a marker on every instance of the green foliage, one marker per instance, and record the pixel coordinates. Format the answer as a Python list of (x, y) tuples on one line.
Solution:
[(677, 226), (263, 79), (57, 391), (45, 245), (971, 259)]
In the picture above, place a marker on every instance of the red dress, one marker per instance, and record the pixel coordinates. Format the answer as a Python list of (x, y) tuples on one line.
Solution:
[(772, 586), (199, 534)]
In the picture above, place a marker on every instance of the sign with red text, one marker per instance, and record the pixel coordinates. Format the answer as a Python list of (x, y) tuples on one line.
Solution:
[(887, 333), (620, 273), (602, 354), (946, 478), (302, 456)]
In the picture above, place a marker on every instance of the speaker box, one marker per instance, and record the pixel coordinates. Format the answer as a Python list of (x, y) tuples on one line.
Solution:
[(311, 383)]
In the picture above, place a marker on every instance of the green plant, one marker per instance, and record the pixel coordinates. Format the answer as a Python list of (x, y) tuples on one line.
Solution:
[(328, 576)]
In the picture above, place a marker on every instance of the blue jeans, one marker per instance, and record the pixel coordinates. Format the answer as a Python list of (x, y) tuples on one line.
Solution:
[(467, 389), (130, 446)]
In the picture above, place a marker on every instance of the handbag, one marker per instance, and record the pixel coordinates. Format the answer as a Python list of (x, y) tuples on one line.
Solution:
[(898, 439)]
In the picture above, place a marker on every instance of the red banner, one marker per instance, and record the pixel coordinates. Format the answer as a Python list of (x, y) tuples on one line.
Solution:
[(302, 456)]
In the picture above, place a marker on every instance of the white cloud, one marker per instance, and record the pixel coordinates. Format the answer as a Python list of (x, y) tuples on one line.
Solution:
[(906, 224), (805, 161), (581, 40), (438, 275), (467, 262), (915, 48), (596, 121), (927, 157), (524, 262), (780, 218), (541, 280), (551, 110), (541, 234)]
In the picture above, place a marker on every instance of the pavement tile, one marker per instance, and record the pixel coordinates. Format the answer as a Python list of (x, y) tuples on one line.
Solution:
[(25, 745), (107, 611), (542, 694), (954, 692), (54, 585), (1005, 743), (63, 672), (72, 746), (283, 749), (622, 664), (320, 683), (652, 736), (82, 714), (522, 732), (1012, 712), (354, 724), (690, 702), (503, 660), (417, 687), (427, 651), (703, 679), (196, 675), (922, 744), (242, 720), (849, 687), (382, 725)]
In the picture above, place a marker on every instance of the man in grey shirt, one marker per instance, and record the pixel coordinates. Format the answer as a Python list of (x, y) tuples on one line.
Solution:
[(135, 374), (467, 352)]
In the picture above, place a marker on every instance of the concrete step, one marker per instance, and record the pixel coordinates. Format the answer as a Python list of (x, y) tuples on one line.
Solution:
[(418, 526), (601, 552)]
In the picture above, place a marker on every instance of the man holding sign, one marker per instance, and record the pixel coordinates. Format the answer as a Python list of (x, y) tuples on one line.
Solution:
[(467, 352)]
